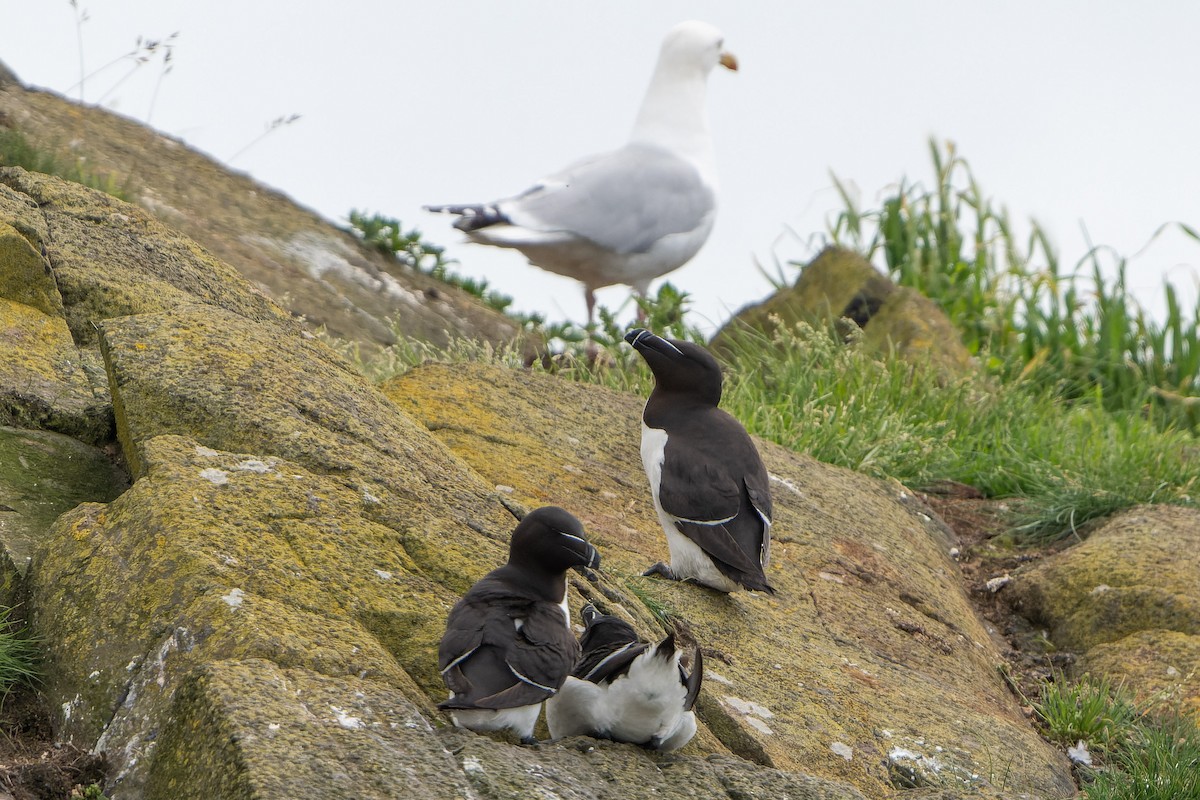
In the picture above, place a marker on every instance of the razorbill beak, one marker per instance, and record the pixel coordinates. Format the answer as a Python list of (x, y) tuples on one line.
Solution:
[(709, 485), (626, 689), (508, 644)]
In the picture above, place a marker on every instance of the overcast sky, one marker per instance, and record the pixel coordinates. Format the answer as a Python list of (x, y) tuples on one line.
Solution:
[(1073, 113)]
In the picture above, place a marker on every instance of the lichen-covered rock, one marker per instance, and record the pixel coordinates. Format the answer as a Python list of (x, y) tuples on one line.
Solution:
[(320, 273), (1155, 664), (111, 259), (240, 386), (43, 474), (841, 283), (1127, 598), (249, 729), (869, 654), (43, 383), (588, 769), (213, 556)]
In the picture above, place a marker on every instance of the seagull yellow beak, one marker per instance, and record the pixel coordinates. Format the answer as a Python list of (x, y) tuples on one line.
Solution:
[(728, 61)]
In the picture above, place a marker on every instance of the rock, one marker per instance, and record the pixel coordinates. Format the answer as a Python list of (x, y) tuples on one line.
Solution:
[(43, 474), (251, 729), (841, 283), (320, 273), (1127, 598), (111, 259), (869, 649), (43, 383)]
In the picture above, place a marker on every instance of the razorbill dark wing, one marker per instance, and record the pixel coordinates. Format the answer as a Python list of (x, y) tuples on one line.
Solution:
[(626, 689), (632, 214), (508, 644), (710, 488)]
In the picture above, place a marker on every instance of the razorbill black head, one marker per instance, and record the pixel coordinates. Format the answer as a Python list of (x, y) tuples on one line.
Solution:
[(626, 689), (709, 485), (508, 645)]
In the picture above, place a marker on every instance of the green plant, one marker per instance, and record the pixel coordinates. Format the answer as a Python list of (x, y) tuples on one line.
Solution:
[(1014, 304), (18, 654), (1160, 761), (1091, 710), (16, 151), (90, 792)]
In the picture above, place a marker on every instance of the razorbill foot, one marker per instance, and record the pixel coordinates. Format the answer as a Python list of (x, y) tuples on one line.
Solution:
[(709, 484), (508, 643), (625, 689)]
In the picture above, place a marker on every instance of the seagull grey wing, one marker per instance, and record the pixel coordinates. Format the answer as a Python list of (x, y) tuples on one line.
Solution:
[(624, 201)]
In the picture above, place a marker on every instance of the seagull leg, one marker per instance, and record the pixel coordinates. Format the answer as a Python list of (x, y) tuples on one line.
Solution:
[(591, 350)]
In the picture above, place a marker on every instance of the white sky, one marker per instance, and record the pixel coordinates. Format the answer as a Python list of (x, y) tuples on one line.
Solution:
[(1072, 113)]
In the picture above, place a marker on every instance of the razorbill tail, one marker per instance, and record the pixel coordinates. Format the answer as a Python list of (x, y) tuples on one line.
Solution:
[(508, 643), (625, 689), (631, 214), (709, 484)]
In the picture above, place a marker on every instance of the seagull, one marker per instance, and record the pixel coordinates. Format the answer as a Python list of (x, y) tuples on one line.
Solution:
[(626, 689), (709, 485), (508, 644), (632, 214)]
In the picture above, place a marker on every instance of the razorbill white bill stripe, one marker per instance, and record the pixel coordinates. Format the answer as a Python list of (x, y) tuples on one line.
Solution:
[(626, 689), (508, 645), (709, 485), (632, 214)]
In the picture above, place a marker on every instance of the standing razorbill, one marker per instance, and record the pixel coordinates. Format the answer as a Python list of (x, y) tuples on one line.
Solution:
[(508, 643), (625, 689), (709, 484)]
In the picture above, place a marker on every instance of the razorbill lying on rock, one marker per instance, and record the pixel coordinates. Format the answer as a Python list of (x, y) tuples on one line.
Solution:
[(625, 689), (508, 643), (709, 484)]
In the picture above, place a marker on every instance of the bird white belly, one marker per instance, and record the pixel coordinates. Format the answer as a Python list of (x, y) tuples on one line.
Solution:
[(687, 559), (521, 719)]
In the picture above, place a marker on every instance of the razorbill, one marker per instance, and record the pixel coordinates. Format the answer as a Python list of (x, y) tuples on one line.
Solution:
[(709, 484), (632, 214), (625, 689), (508, 643)]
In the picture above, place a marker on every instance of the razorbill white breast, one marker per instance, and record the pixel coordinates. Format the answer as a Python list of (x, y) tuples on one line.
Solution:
[(508, 644), (709, 484), (626, 689), (632, 214)]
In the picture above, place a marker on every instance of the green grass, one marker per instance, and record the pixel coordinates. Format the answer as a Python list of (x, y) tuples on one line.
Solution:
[(19, 654), (1139, 752), (16, 151), (1094, 711), (1015, 304)]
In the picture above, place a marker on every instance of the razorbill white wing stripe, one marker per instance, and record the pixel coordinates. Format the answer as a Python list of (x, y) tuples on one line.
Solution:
[(531, 682)]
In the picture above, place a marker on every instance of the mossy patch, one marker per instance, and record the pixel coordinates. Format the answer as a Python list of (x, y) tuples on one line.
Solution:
[(42, 475), (1139, 571), (1159, 667)]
